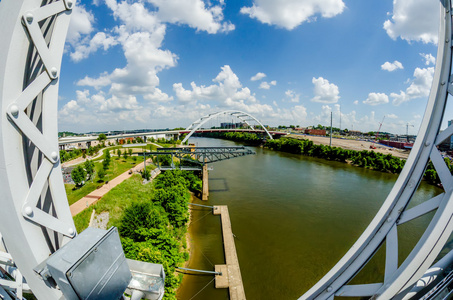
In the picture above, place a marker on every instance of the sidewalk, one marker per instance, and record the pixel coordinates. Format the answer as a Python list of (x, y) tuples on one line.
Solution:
[(95, 195)]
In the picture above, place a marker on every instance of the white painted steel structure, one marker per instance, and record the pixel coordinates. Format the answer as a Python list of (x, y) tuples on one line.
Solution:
[(35, 220), (399, 278), (238, 114)]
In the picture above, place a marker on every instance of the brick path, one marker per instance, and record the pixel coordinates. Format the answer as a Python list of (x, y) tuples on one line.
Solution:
[(95, 195)]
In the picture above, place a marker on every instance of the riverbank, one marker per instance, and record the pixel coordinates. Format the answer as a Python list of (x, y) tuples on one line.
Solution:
[(352, 144)]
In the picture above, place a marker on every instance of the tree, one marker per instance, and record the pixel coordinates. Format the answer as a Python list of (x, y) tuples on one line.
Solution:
[(89, 168), (130, 152), (78, 175), (102, 137), (118, 152), (101, 173), (106, 161)]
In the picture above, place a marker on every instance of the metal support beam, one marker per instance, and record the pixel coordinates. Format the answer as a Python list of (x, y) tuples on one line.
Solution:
[(400, 279)]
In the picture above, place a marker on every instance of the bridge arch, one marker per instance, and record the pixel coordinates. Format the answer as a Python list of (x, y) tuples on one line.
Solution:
[(238, 114)]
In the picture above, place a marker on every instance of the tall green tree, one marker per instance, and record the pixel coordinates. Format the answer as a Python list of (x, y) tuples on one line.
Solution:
[(78, 175)]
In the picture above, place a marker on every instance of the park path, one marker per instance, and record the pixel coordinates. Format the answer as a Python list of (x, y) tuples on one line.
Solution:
[(97, 194)]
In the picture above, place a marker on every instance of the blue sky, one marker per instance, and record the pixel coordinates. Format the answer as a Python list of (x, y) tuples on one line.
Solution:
[(165, 63)]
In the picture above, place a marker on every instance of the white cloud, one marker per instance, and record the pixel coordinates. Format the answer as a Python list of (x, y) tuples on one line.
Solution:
[(356, 102), (81, 24), (414, 20), (267, 85), (99, 40), (227, 91), (376, 99), (324, 91), (292, 96), (258, 76), (291, 13), (392, 116), (388, 66), (429, 59), (420, 86), (195, 13), (158, 96)]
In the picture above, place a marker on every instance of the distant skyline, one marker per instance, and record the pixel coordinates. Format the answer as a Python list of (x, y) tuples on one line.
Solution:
[(165, 63)]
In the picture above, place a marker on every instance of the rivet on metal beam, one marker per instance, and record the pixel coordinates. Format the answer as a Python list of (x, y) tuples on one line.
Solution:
[(69, 4), (389, 219), (54, 155), (14, 110), (29, 18), (71, 231), (427, 144), (53, 72), (28, 211), (329, 289)]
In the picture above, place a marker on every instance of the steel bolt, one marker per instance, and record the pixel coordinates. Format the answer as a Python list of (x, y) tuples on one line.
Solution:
[(329, 289), (427, 144), (389, 219), (54, 155), (71, 232), (54, 72), (14, 110), (69, 4), (28, 211), (29, 18)]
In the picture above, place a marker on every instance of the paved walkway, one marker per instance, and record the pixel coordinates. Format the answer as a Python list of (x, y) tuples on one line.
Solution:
[(95, 195)]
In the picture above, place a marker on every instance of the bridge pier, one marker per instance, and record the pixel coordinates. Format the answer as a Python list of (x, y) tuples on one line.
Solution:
[(205, 192)]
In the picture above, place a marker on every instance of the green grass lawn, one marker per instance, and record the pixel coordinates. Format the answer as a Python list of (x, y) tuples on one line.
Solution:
[(116, 201), (117, 167)]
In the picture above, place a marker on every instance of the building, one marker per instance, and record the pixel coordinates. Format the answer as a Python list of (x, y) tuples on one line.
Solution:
[(315, 131)]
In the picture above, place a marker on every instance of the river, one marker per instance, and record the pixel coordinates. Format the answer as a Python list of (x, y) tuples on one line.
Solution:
[(294, 217)]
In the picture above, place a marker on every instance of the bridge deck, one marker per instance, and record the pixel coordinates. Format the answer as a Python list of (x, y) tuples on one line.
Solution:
[(231, 273)]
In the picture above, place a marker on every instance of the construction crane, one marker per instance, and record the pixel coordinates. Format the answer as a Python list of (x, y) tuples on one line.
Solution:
[(377, 134)]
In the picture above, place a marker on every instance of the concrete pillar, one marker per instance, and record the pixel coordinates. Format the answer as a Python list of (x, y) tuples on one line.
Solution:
[(205, 193)]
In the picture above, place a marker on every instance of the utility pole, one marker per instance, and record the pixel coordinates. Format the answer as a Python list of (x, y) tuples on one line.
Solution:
[(407, 131), (340, 118), (330, 129)]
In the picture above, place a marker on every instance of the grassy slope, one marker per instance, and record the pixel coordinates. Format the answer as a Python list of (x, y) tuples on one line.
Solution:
[(117, 167), (116, 201)]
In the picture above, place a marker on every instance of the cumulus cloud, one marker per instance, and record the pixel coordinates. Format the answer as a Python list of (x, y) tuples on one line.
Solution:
[(292, 96), (195, 13), (429, 59), (227, 91), (419, 87), (99, 40), (376, 99), (289, 14), (258, 76), (356, 102), (324, 91), (392, 116), (267, 85), (414, 20), (81, 25), (388, 66)]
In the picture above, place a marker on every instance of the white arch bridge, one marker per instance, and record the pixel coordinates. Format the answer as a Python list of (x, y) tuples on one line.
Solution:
[(242, 116)]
